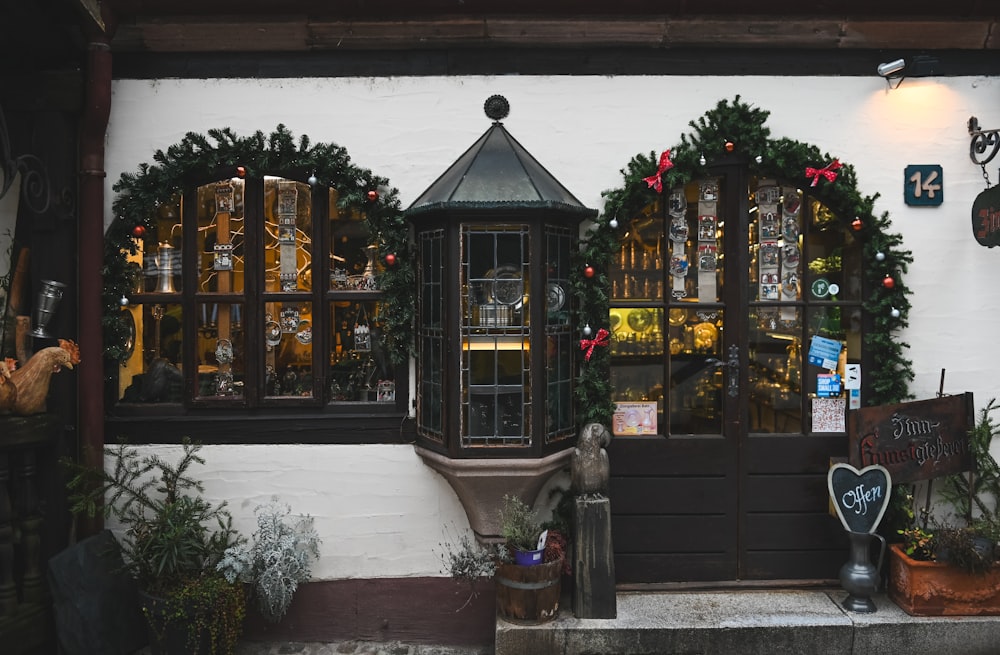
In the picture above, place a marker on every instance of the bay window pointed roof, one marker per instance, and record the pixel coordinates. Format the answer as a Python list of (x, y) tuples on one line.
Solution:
[(497, 173)]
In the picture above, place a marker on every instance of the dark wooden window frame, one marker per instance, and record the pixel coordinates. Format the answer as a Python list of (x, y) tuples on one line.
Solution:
[(257, 419)]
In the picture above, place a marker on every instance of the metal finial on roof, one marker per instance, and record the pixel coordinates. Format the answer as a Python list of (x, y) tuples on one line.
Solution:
[(496, 107)]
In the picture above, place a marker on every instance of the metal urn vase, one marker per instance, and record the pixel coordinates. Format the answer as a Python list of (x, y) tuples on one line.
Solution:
[(859, 577), (166, 254), (45, 307)]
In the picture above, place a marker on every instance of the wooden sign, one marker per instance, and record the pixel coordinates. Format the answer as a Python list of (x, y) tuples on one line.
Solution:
[(986, 217), (860, 497), (914, 441)]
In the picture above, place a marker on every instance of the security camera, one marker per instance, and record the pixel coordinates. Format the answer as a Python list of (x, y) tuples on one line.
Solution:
[(891, 68)]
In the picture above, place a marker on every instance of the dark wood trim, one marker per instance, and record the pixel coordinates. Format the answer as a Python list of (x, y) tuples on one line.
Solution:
[(410, 610), (611, 60), (268, 426), (287, 31)]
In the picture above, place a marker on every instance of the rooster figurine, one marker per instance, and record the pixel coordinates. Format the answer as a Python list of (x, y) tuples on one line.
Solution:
[(31, 381), (8, 392)]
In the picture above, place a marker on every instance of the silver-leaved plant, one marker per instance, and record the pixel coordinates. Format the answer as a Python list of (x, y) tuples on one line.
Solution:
[(277, 558)]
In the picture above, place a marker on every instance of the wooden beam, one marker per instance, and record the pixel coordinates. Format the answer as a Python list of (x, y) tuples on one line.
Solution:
[(297, 33)]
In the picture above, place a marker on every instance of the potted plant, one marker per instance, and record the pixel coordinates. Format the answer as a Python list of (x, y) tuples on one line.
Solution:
[(276, 560), (525, 592), (521, 531), (950, 568), (172, 540)]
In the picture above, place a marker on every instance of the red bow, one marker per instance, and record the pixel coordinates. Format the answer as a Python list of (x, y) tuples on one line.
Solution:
[(827, 172), (656, 181), (600, 340)]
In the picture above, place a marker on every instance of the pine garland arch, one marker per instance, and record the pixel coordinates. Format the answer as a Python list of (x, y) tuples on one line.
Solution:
[(222, 154), (743, 126)]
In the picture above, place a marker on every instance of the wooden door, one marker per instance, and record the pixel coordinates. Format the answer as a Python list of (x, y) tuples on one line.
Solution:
[(720, 288)]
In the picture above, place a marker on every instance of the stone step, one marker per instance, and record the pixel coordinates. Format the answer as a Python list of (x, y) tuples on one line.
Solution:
[(764, 622)]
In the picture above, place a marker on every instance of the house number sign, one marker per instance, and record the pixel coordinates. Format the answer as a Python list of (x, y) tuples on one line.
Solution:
[(923, 185)]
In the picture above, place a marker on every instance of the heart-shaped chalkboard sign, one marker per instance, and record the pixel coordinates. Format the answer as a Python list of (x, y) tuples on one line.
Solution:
[(860, 497)]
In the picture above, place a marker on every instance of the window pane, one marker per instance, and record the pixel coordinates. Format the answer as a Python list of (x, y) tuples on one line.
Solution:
[(430, 334), (560, 341), (696, 379), (775, 375), (639, 271), (352, 254), (287, 349), (495, 378), (221, 237), (834, 259), (359, 369), (221, 351), (776, 245), (496, 385), (161, 251), (153, 372), (288, 234), (495, 272)]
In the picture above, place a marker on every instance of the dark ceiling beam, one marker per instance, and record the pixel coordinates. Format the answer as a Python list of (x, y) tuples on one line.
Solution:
[(298, 33)]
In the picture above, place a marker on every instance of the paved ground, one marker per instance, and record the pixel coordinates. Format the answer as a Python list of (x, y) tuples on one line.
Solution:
[(353, 648)]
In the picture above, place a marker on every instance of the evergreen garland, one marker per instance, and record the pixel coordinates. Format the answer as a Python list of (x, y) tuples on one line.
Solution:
[(223, 154), (742, 127)]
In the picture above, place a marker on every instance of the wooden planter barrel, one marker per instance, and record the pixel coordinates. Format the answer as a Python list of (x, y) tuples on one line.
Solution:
[(529, 593), (936, 589)]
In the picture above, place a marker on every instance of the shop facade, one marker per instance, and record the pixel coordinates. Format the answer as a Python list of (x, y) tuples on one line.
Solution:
[(257, 323), (772, 430)]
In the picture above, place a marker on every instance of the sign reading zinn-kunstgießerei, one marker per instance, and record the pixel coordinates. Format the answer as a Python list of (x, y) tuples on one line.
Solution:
[(914, 441)]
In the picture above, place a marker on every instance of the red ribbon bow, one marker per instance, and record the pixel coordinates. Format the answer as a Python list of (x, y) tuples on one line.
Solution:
[(601, 339), (656, 181), (827, 172)]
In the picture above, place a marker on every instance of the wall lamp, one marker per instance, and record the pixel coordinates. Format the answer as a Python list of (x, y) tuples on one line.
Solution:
[(899, 69)]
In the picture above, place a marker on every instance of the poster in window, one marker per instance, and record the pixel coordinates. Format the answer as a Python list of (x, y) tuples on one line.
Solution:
[(634, 419)]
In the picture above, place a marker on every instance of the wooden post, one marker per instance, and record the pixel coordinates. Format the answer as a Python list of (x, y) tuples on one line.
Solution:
[(594, 595)]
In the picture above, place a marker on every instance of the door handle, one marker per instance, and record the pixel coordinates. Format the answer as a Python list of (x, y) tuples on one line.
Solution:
[(733, 364)]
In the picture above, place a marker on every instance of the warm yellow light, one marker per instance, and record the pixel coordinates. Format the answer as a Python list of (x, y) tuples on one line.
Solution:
[(488, 342)]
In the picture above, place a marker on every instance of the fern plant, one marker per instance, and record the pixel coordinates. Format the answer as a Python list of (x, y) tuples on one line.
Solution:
[(277, 559)]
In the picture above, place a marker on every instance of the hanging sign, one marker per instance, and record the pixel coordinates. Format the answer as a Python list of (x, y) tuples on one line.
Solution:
[(914, 441), (860, 497), (986, 217)]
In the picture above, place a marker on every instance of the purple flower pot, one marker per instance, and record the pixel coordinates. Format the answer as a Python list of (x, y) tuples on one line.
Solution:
[(528, 557)]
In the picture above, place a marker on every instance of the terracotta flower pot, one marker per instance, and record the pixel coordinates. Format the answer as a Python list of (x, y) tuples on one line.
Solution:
[(936, 589)]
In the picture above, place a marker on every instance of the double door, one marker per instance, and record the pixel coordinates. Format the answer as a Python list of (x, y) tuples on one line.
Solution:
[(736, 307)]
